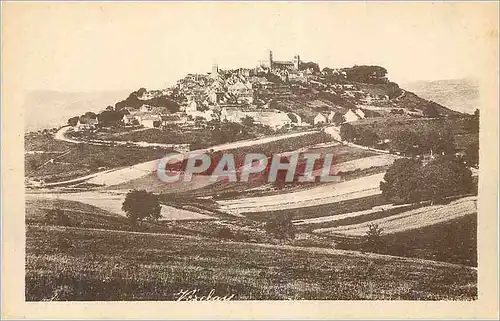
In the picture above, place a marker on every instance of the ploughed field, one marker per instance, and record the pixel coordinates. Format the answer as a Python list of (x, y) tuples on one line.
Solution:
[(84, 264)]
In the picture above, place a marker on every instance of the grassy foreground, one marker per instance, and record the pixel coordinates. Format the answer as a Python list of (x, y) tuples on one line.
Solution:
[(81, 264)]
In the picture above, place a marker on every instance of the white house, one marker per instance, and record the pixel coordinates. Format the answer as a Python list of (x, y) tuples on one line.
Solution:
[(351, 116), (171, 120), (86, 123), (333, 131), (272, 118), (191, 106), (208, 115), (128, 119), (148, 120), (360, 113), (145, 108), (319, 119)]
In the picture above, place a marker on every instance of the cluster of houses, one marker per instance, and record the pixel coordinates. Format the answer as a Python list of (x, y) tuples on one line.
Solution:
[(86, 123), (230, 95), (154, 117), (339, 118)]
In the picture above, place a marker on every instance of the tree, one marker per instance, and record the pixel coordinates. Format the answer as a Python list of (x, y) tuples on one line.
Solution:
[(90, 115), (471, 156), (306, 65), (408, 180), (338, 119), (368, 137), (366, 74), (401, 181), (348, 132), (73, 121), (225, 233), (281, 227), (438, 141), (444, 177), (406, 142), (247, 121), (109, 118), (140, 205), (373, 241)]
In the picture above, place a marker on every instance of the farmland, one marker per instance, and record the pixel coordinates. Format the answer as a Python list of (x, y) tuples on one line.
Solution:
[(74, 160), (410, 219), (144, 170), (214, 236)]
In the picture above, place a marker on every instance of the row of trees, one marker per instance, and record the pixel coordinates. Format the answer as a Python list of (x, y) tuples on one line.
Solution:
[(366, 74), (358, 135), (408, 142), (106, 118), (162, 101)]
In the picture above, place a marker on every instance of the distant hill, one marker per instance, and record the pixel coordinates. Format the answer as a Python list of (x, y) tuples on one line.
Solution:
[(458, 94), (47, 109)]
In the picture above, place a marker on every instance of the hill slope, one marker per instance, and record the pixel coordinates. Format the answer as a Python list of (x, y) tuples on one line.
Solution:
[(458, 94), (85, 264)]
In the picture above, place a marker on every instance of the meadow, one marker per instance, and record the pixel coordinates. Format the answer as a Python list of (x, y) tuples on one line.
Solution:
[(79, 264)]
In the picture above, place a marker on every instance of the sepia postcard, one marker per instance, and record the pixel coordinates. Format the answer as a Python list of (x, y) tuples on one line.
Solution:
[(249, 160)]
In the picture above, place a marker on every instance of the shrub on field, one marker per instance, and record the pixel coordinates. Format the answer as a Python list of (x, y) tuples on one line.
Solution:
[(373, 241), (225, 233), (57, 217), (281, 227)]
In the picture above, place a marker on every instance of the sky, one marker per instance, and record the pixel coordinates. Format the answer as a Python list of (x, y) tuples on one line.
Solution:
[(115, 46)]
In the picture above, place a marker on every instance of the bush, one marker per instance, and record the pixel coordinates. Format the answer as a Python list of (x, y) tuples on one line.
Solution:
[(225, 233), (373, 241), (57, 217), (281, 227)]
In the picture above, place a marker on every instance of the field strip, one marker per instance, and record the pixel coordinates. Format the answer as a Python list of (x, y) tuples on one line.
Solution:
[(325, 194), (338, 217), (123, 175), (319, 250), (286, 205), (409, 220), (365, 163), (324, 190), (113, 203)]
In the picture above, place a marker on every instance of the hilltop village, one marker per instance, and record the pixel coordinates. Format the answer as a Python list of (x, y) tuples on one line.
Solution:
[(275, 94)]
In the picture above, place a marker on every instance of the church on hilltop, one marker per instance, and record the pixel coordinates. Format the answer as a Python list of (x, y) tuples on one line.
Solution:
[(272, 64)]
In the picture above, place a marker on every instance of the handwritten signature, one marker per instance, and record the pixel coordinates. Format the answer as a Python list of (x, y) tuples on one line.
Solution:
[(195, 295)]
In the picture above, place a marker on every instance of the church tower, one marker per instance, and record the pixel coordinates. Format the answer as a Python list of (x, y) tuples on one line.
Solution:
[(270, 59), (296, 61), (215, 71)]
